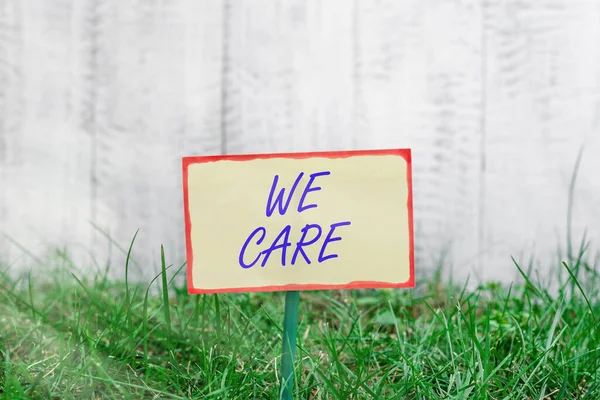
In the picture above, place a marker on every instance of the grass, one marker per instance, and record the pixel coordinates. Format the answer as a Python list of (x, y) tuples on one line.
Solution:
[(94, 338)]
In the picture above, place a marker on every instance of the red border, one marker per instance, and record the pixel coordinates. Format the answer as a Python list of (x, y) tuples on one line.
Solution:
[(405, 153)]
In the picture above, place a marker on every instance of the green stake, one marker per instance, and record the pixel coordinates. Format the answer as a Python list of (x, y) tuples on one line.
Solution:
[(290, 327)]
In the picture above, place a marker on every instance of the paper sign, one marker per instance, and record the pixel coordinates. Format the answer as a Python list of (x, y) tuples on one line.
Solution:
[(299, 221)]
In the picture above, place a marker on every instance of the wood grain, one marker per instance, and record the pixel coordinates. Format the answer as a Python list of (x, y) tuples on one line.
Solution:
[(161, 101), (418, 78), (543, 105), (99, 100), (289, 79), (10, 106), (46, 169)]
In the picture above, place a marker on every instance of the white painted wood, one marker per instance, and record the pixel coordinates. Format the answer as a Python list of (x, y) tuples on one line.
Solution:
[(315, 75), (10, 104), (543, 103), (419, 85), (45, 171), (106, 98), (99, 99), (159, 71), (289, 76)]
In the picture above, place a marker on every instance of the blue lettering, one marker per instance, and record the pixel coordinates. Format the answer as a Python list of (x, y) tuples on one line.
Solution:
[(308, 189), (285, 234), (263, 232), (301, 243), (279, 200), (330, 239)]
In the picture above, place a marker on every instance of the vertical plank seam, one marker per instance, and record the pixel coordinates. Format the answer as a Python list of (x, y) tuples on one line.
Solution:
[(356, 72), (225, 72), (482, 145), (4, 62), (94, 20), (11, 117)]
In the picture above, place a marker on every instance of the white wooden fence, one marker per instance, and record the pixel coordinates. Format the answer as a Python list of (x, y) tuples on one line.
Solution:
[(99, 100)]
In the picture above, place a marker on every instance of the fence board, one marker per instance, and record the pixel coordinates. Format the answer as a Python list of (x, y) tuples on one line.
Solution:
[(46, 184), (418, 72), (99, 99), (544, 92), (10, 105), (288, 76), (160, 101)]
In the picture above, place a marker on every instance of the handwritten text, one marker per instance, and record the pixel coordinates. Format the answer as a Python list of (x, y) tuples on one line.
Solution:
[(310, 233)]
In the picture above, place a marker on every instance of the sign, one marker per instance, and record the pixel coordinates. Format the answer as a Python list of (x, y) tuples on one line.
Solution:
[(299, 221)]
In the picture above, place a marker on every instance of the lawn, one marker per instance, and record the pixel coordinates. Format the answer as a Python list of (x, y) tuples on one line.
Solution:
[(65, 336)]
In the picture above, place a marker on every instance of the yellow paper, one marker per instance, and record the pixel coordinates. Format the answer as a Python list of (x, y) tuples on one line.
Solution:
[(366, 197)]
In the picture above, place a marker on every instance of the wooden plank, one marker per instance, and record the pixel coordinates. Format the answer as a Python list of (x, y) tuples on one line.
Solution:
[(157, 78), (419, 84), (99, 99), (288, 83), (543, 103), (10, 107), (314, 75), (47, 200)]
